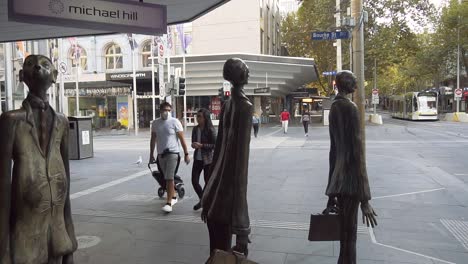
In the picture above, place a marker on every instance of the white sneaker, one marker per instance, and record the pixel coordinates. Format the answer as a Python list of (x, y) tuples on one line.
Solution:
[(174, 201), (167, 208)]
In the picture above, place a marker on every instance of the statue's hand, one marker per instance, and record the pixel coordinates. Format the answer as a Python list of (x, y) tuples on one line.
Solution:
[(204, 215), (331, 206), (67, 259), (241, 246), (368, 214)]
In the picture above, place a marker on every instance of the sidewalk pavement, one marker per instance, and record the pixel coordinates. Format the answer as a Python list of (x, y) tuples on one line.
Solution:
[(118, 216)]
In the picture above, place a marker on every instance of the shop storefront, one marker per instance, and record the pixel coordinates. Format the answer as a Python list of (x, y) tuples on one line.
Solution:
[(108, 98), (109, 107)]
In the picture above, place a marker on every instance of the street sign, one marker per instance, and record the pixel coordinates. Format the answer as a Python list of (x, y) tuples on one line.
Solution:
[(160, 53), (226, 86), (262, 90), (330, 35), (63, 67), (375, 96), (329, 73), (458, 93)]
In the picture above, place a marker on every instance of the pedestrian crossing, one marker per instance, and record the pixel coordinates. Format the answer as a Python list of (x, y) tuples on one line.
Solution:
[(195, 219)]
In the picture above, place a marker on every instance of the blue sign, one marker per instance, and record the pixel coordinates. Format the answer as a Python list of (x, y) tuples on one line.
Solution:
[(330, 35), (329, 73)]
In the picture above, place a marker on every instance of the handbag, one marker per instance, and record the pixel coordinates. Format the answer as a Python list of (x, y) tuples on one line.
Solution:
[(231, 257), (325, 227)]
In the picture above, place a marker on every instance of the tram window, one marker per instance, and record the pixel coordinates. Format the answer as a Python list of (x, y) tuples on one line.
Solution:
[(415, 103)]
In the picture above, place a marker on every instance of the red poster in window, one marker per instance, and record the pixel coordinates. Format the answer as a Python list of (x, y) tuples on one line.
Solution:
[(215, 106)]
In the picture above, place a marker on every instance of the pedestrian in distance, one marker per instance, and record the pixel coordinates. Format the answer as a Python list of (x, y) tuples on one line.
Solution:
[(285, 120), (305, 119), (203, 141), (166, 133), (348, 184), (255, 123)]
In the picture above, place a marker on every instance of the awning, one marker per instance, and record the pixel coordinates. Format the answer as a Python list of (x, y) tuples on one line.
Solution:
[(204, 73), (178, 11)]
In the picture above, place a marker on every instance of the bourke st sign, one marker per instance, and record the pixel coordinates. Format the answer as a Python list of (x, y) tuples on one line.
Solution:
[(125, 17)]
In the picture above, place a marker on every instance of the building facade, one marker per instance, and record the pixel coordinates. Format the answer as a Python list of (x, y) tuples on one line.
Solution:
[(100, 67)]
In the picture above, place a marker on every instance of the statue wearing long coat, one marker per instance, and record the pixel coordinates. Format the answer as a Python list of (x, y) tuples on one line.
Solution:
[(225, 195)]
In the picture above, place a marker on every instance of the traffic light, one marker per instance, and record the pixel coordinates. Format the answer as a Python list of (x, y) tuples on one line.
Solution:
[(181, 86), (221, 93)]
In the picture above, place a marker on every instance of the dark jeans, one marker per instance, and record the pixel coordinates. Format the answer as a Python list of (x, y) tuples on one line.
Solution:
[(220, 236), (349, 222), (306, 126), (255, 127), (198, 166)]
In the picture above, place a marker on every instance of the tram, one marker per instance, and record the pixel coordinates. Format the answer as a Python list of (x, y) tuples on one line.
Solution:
[(415, 106)]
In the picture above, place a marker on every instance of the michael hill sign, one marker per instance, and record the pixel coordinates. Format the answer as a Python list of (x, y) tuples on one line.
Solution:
[(115, 16)]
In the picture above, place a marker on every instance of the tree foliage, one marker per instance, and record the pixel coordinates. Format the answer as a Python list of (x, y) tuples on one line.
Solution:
[(413, 44)]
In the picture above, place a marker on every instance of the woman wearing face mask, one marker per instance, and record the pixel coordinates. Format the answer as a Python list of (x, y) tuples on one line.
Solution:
[(203, 141)]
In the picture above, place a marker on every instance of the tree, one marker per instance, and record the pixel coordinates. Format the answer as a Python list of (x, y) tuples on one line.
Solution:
[(313, 15)]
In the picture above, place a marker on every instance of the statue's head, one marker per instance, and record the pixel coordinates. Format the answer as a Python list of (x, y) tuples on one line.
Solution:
[(346, 82), (38, 72), (236, 72)]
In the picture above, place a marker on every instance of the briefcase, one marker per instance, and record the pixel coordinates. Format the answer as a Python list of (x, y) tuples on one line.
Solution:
[(325, 227), (224, 257)]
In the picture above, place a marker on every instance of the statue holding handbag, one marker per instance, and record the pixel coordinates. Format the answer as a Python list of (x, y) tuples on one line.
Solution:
[(348, 184)]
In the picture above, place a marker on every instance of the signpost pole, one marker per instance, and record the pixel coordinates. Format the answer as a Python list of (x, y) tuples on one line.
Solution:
[(62, 85), (185, 94), (338, 41), (375, 84), (77, 90), (153, 99), (135, 101)]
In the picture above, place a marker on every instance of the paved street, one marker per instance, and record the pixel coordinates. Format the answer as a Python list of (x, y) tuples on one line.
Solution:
[(418, 176)]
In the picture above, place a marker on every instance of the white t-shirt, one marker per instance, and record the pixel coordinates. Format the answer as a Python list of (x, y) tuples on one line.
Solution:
[(166, 134)]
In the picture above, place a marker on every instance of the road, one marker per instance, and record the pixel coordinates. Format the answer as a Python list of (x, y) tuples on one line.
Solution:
[(418, 176)]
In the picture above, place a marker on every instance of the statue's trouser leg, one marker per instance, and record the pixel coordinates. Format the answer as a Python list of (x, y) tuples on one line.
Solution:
[(349, 212), (57, 260), (220, 236)]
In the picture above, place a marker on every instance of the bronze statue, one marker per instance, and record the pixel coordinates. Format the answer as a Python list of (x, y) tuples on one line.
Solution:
[(35, 216), (348, 184), (225, 196)]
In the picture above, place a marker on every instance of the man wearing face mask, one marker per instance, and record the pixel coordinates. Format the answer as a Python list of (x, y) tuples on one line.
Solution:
[(166, 133)]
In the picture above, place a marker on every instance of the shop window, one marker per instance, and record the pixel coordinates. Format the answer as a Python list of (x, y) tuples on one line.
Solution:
[(146, 54), (114, 57), (77, 55)]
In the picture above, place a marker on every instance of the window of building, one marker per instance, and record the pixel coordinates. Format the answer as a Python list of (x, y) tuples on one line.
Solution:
[(268, 45), (75, 54), (114, 57), (146, 54), (261, 40)]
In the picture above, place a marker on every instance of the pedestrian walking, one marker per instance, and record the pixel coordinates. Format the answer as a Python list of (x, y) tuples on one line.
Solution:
[(305, 119), (255, 123), (285, 120), (166, 133), (203, 141)]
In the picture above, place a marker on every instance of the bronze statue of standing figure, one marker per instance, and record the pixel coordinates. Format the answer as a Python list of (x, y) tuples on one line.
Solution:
[(35, 216), (224, 199), (348, 184)]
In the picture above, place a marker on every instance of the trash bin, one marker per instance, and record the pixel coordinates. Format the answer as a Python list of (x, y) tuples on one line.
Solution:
[(80, 137)]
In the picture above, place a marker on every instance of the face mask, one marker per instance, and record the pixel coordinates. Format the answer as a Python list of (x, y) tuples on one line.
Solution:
[(165, 115)]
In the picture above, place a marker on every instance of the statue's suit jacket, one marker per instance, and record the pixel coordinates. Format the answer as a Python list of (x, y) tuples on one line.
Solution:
[(34, 199), (348, 173), (225, 195)]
